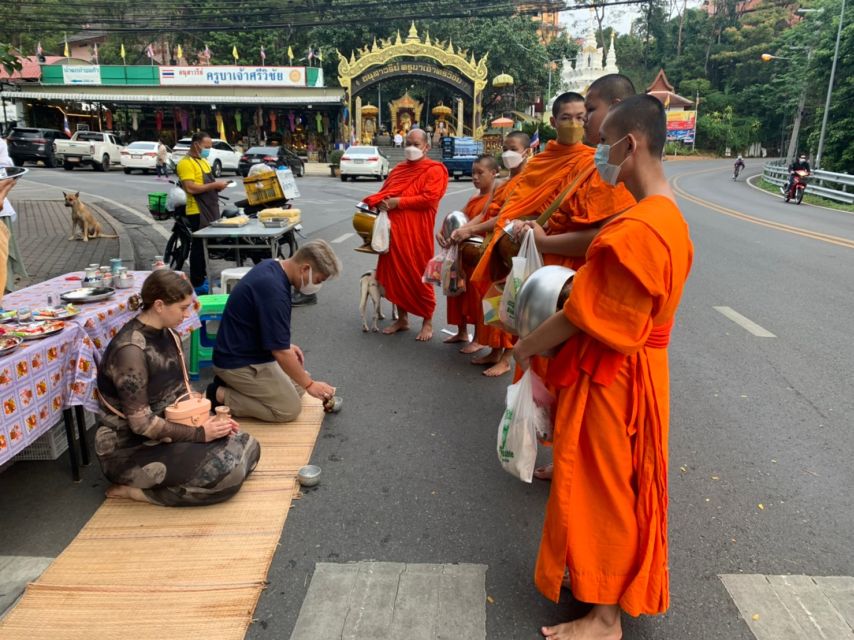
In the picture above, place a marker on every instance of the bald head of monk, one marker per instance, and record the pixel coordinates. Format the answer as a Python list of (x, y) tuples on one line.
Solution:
[(602, 94), (568, 117), (483, 172), (635, 131), (516, 151), (417, 145)]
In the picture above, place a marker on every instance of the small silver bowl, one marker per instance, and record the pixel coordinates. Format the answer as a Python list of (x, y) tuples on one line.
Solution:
[(309, 475), (452, 222)]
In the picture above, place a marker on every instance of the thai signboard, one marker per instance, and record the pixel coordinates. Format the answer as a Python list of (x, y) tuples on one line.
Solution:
[(681, 125), (233, 76), (81, 74), (408, 69)]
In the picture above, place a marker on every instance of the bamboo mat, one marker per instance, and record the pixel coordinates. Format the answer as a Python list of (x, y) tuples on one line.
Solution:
[(140, 571)]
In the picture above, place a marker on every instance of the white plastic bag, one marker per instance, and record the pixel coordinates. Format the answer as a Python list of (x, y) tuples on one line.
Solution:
[(381, 239), (524, 420), (525, 263)]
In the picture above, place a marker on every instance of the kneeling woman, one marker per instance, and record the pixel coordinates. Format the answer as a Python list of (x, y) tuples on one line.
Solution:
[(147, 457)]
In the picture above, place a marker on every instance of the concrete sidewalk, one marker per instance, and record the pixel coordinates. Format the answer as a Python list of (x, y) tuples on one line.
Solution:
[(42, 231)]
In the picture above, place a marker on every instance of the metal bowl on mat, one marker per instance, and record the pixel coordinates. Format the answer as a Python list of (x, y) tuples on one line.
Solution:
[(542, 294), (309, 475), (452, 222)]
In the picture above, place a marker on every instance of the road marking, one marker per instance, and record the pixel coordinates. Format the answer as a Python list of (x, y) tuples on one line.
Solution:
[(370, 600), (806, 233), (745, 323), (458, 191), (794, 607), (341, 239)]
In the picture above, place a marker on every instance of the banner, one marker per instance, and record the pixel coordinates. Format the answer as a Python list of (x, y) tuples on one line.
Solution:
[(233, 76), (681, 125), (81, 74), (409, 69)]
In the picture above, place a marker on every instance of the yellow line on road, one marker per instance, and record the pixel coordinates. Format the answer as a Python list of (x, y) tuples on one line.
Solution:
[(779, 226)]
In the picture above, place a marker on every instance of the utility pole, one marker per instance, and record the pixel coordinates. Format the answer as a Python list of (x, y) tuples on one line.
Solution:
[(796, 127), (820, 152)]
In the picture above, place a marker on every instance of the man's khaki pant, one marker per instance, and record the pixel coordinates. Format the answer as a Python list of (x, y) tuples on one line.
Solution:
[(261, 391)]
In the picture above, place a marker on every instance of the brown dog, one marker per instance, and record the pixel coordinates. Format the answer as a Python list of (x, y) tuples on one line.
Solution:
[(81, 216)]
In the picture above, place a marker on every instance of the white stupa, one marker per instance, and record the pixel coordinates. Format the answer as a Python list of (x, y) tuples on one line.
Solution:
[(590, 64)]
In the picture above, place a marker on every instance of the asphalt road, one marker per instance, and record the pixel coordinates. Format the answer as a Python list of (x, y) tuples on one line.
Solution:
[(410, 471)]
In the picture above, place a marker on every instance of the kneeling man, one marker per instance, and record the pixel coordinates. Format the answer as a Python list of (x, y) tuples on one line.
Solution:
[(259, 372)]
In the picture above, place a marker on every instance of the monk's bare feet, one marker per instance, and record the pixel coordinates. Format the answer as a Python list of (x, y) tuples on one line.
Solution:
[(602, 623), (544, 473), (124, 491), (462, 335), (498, 369), (493, 357), (471, 347), (399, 325), (426, 333)]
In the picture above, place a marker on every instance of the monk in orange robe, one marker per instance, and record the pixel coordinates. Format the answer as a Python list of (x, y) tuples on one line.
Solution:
[(606, 518), (465, 309), (516, 151), (411, 195)]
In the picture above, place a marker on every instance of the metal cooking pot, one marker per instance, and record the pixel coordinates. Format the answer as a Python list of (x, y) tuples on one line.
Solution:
[(542, 294), (452, 222)]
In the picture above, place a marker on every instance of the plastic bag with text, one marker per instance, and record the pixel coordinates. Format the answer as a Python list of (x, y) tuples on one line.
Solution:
[(453, 282), (525, 420), (525, 263), (381, 238)]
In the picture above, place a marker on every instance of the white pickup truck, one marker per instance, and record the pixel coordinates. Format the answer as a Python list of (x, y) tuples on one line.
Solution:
[(101, 150)]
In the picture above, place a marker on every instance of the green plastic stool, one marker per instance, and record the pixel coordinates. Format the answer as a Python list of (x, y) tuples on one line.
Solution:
[(201, 342)]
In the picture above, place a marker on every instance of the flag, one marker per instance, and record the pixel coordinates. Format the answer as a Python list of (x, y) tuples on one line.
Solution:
[(207, 52), (234, 53), (290, 54), (67, 52), (310, 55), (667, 102), (320, 55), (122, 53), (535, 140), (179, 53), (65, 126), (96, 53), (39, 50), (352, 136), (149, 51), (263, 56)]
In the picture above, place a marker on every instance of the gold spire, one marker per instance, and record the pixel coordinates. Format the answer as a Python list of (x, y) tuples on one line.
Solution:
[(413, 34)]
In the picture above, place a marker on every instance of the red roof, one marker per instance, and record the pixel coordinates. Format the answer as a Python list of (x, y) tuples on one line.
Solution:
[(31, 69), (663, 90)]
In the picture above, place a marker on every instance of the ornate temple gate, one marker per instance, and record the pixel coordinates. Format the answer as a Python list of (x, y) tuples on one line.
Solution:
[(438, 61)]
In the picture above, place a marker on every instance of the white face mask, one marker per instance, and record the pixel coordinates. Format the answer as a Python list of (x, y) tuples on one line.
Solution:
[(608, 172), (512, 159), (413, 154), (309, 288)]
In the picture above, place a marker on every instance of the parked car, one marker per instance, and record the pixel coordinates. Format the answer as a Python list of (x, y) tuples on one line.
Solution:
[(273, 157), (99, 149), (32, 145), (143, 156), (223, 157), (364, 161)]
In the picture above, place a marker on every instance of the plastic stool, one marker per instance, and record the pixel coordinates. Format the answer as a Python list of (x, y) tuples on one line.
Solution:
[(232, 277), (201, 342)]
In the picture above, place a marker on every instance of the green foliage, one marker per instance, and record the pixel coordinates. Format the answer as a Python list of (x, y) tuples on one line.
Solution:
[(8, 59), (335, 157)]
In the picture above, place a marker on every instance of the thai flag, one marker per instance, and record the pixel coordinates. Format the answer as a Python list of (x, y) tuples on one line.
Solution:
[(535, 140), (167, 73), (149, 51), (65, 126), (39, 50), (263, 56)]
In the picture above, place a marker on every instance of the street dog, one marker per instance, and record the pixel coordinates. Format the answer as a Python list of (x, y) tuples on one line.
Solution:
[(81, 216), (370, 288)]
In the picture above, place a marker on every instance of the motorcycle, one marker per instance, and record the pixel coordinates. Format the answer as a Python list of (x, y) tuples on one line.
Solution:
[(738, 167), (798, 186)]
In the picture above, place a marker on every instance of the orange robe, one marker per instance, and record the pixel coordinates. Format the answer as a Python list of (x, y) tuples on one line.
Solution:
[(466, 308), (420, 186), (606, 518)]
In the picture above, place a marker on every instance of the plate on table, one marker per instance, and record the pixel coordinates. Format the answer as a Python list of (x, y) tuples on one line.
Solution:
[(8, 344), (88, 294), (56, 313), (38, 330)]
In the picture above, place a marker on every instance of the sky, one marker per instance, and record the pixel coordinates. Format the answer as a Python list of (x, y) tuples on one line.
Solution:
[(620, 17)]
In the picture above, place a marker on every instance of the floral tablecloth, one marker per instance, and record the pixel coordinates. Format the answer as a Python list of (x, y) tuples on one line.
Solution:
[(42, 377)]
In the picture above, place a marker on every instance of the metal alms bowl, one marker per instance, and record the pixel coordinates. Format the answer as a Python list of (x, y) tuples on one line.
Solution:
[(309, 475), (452, 222), (540, 297)]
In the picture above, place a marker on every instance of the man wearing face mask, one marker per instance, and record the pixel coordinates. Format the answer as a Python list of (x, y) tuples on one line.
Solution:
[(411, 195), (611, 420), (202, 188), (259, 373)]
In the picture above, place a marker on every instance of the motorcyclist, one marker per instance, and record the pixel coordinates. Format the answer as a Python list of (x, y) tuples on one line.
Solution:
[(801, 164)]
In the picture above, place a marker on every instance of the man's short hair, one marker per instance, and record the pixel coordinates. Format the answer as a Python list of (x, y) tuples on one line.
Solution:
[(321, 257), (521, 136), (198, 136), (613, 87), (565, 98), (488, 161), (644, 115)]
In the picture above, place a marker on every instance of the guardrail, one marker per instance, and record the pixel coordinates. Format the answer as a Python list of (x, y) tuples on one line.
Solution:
[(833, 186)]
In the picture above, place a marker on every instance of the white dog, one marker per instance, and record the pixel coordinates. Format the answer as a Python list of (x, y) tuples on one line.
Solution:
[(370, 288)]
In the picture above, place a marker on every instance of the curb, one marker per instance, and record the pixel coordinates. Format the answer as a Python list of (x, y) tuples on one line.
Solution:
[(778, 196), (126, 252)]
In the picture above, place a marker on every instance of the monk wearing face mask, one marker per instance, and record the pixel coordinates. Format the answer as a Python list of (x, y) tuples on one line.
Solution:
[(411, 196)]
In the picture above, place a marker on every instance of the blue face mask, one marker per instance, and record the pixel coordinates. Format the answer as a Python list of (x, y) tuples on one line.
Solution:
[(204, 153), (609, 172)]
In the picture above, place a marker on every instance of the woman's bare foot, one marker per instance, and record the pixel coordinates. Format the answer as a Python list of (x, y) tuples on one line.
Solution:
[(602, 623), (462, 335), (399, 325), (426, 332), (471, 347), (544, 473), (498, 369), (124, 491)]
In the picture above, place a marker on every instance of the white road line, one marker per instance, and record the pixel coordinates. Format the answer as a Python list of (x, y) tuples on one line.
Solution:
[(340, 239), (453, 193), (744, 323)]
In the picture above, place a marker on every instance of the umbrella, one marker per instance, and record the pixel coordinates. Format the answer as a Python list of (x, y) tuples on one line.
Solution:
[(502, 123)]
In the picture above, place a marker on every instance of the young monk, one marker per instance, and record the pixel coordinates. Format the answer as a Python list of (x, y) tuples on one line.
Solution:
[(606, 518), (465, 309)]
